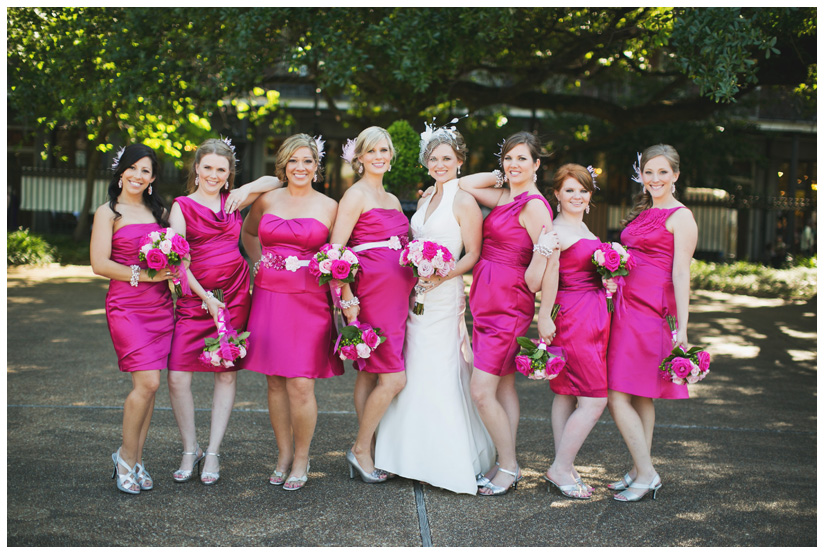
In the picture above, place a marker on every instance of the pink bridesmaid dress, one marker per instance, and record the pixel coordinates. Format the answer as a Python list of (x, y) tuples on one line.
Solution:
[(216, 263), (382, 285), (640, 337), (582, 324), (141, 319), (291, 318), (500, 301)]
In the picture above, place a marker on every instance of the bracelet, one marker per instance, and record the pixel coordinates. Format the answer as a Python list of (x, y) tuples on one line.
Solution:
[(135, 275), (350, 303), (209, 295), (255, 268), (542, 250), (499, 179)]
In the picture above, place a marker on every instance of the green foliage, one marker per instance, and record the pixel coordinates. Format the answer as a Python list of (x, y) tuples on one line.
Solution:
[(69, 251), (746, 278), (407, 174), (23, 247)]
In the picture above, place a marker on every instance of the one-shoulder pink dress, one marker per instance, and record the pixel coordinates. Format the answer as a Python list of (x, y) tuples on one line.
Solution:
[(582, 323), (500, 301), (382, 285), (141, 319), (640, 337), (291, 317), (216, 263)]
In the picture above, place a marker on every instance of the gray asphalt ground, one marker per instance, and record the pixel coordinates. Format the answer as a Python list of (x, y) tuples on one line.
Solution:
[(738, 460)]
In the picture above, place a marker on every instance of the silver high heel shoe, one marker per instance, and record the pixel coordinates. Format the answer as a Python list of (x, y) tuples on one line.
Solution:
[(181, 475), (499, 490), (210, 478), (482, 480), (296, 482), (653, 487), (373, 477), (127, 483), (144, 480), (622, 484)]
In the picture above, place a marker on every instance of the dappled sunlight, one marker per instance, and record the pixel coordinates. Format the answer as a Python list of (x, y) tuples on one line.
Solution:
[(752, 390), (802, 356), (729, 345), (796, 333), (710, 301), (95, 312), (24, 300)]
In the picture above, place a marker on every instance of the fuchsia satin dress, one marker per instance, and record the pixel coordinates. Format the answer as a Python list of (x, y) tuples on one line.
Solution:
[(582, 323), (292, 333), (216, 263), (141, 319), (501, 303), (640, 337), (383, 286)]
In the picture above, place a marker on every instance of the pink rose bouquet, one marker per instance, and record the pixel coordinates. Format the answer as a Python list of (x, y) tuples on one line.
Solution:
[(682, 366), (612, 261), (426, 258), (334, 262), (357, 342), (165, 249), (229, 346), (536, 360)]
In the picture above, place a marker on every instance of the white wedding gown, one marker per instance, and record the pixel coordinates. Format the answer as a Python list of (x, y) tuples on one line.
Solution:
[(432, 431)]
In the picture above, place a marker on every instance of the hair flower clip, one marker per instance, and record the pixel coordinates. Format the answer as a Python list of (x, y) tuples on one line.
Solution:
[(319, 144), (349, 150), (593, 177), (431, 131), (116, 159), (637, 169)]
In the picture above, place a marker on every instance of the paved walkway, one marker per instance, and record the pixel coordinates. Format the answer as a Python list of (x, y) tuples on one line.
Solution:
[(738, 459)]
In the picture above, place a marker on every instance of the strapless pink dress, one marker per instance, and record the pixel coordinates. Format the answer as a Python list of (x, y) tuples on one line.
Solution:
[(141, 319), (383, 286), (291, 318), (500, 301), (640, 337), (216, 264), (582, 324)]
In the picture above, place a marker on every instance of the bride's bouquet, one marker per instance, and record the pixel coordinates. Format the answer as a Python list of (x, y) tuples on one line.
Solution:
[(426, 258), (229, 346), (612, 261), (682, 366), (334, 262), (357, 342), (166, 249), (536, 360)]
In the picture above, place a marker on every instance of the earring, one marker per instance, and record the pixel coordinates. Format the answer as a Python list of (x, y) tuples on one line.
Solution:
[(506, 178), (197, 181), (120, 183), (390, 168), (150, 189), (558, 208), (673, 187), (361, 170), (458, 171), (587, 209), (316, 177), (535, 178), (226, 186)]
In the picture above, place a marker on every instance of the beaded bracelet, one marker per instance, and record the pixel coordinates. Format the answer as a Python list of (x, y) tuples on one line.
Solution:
[(499, 179), (543, 250), (350, 303), (209, 295), (135, 275)]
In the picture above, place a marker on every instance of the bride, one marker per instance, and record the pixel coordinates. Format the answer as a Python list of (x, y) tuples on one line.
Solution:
[(432, 431)]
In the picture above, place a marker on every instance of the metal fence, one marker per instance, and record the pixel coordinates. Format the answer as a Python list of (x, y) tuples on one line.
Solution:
[(60, 191)]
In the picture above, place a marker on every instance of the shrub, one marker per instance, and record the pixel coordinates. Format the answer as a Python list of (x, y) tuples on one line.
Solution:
[(27, 248), (747, 278), (407, 174)]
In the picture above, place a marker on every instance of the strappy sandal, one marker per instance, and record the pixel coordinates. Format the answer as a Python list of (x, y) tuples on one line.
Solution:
[(127, 483), (144, 480), (653, 487), (298, 482), (181, 475), (210, 478), (622, 484), (573, 491), (500, 490), (277, 478)]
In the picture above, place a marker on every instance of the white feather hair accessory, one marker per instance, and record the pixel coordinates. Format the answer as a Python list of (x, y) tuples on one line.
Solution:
[(319, 144), (349, 150), (431, 131), (116, 159), (637, 169)]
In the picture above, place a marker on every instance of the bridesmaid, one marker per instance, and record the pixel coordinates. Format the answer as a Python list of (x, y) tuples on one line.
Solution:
[(662, 235), (515, 262), (371, 220), (582, 330), (291, 318), (208, 219), (138, 308)]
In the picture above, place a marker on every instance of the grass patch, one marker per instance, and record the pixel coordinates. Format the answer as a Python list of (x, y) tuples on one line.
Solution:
[(747, 278)]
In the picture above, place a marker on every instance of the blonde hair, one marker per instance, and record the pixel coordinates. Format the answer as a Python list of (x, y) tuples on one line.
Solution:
[(366, 141), (211, 146), (289, 147), (642, 200)]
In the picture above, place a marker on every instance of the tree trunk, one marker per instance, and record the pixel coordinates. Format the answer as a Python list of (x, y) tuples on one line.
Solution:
[(81, 231)]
